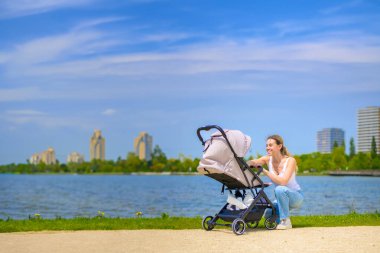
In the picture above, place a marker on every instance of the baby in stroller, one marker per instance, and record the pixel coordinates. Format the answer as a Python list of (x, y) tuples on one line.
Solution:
[(223, 160)]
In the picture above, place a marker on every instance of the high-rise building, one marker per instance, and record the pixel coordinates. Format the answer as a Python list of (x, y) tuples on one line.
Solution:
[(368, 126), (327, 137), (97, 146), (75, 157), (47, 157), (35, 159), (143, 146)]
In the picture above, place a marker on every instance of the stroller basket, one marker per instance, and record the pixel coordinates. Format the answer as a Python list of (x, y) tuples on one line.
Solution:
[(253, 216), (223, 161)]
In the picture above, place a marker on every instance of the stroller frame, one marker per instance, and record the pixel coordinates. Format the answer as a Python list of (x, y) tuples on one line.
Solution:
[(247, 217)]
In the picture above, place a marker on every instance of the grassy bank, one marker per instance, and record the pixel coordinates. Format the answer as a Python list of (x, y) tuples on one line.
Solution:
[(165, 222)]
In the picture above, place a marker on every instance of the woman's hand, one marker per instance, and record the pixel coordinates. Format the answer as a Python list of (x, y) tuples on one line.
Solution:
[(253, 164), (258, 162)]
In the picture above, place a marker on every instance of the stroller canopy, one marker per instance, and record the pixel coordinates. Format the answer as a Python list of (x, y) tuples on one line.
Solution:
[(218, 160)]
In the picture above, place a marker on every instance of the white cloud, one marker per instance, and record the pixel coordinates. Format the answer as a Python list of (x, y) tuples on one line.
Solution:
[(264, 63), (17, 94), (82, 40), (96, 22), (166, 37), (66, 60), (54, 48), (21, 117), (24, 116), (3, 57), (24, 94), (291, 27), (222, 56), (109, 112), (12, 8), (340, 7), (26, 112)]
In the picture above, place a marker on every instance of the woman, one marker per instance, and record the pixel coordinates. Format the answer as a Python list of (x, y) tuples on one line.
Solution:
[(282, 171)]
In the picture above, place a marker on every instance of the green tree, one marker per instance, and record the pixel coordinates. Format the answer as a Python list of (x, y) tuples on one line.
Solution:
[(335, 145), (307, 162), (339, 158), (63, 168), (158, 156), (174, 165), (94, 167), (133, 163), (324, 162), (195, 164), (375, 163), (107, 166), (159, 160), (158, 167), (352, 148), (373, 148), (361, 161), (186, 163)]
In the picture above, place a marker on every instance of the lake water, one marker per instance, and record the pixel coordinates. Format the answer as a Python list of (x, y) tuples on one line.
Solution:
[(69, 196)]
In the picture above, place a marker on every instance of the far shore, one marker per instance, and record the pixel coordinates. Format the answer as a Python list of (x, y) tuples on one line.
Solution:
[(366, 173)]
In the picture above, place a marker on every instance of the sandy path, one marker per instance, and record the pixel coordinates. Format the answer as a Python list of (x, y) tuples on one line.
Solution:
[(336, 239)]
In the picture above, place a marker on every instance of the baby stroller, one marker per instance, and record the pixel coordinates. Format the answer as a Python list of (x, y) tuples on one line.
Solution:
[(223, 160)]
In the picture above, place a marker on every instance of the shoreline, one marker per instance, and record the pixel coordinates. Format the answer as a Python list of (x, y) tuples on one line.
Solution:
[(359, 173)]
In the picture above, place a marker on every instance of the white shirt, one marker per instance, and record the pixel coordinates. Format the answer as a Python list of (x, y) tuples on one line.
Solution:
[(292, 183)]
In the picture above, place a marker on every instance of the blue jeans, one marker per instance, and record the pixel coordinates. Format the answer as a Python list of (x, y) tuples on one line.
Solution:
[(286, 199)]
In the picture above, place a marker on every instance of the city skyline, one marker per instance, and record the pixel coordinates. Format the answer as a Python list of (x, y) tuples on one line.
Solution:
[(326, 138), (143, 148), (169, 67)]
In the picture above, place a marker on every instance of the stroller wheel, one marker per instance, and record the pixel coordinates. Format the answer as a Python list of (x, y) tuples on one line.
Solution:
[(238, 226), (270, 223), (253, 224), (206, 223)]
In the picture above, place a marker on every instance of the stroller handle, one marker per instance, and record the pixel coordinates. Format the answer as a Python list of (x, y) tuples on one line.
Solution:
[(208, 128), (260, 169)]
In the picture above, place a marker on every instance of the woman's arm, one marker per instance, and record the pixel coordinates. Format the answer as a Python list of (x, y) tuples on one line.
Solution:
[(290, 168), (258, 162)]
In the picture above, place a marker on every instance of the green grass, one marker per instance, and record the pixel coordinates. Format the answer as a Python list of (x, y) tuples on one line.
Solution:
[(352, 219), (166, 222)]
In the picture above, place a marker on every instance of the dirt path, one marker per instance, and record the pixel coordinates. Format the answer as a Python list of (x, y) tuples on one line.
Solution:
[(336, 239)]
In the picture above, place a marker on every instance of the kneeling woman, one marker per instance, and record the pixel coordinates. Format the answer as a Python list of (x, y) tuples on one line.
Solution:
[(282, 171)]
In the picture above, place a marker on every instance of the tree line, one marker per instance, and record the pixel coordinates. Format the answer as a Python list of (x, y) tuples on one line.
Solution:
[(313, 162), (339, 160), (132, 163)]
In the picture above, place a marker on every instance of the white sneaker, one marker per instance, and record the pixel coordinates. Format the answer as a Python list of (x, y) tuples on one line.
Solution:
[(284, 224), (234, 201)]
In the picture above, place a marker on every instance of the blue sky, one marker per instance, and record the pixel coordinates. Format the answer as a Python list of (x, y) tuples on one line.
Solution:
[(68, 67)]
